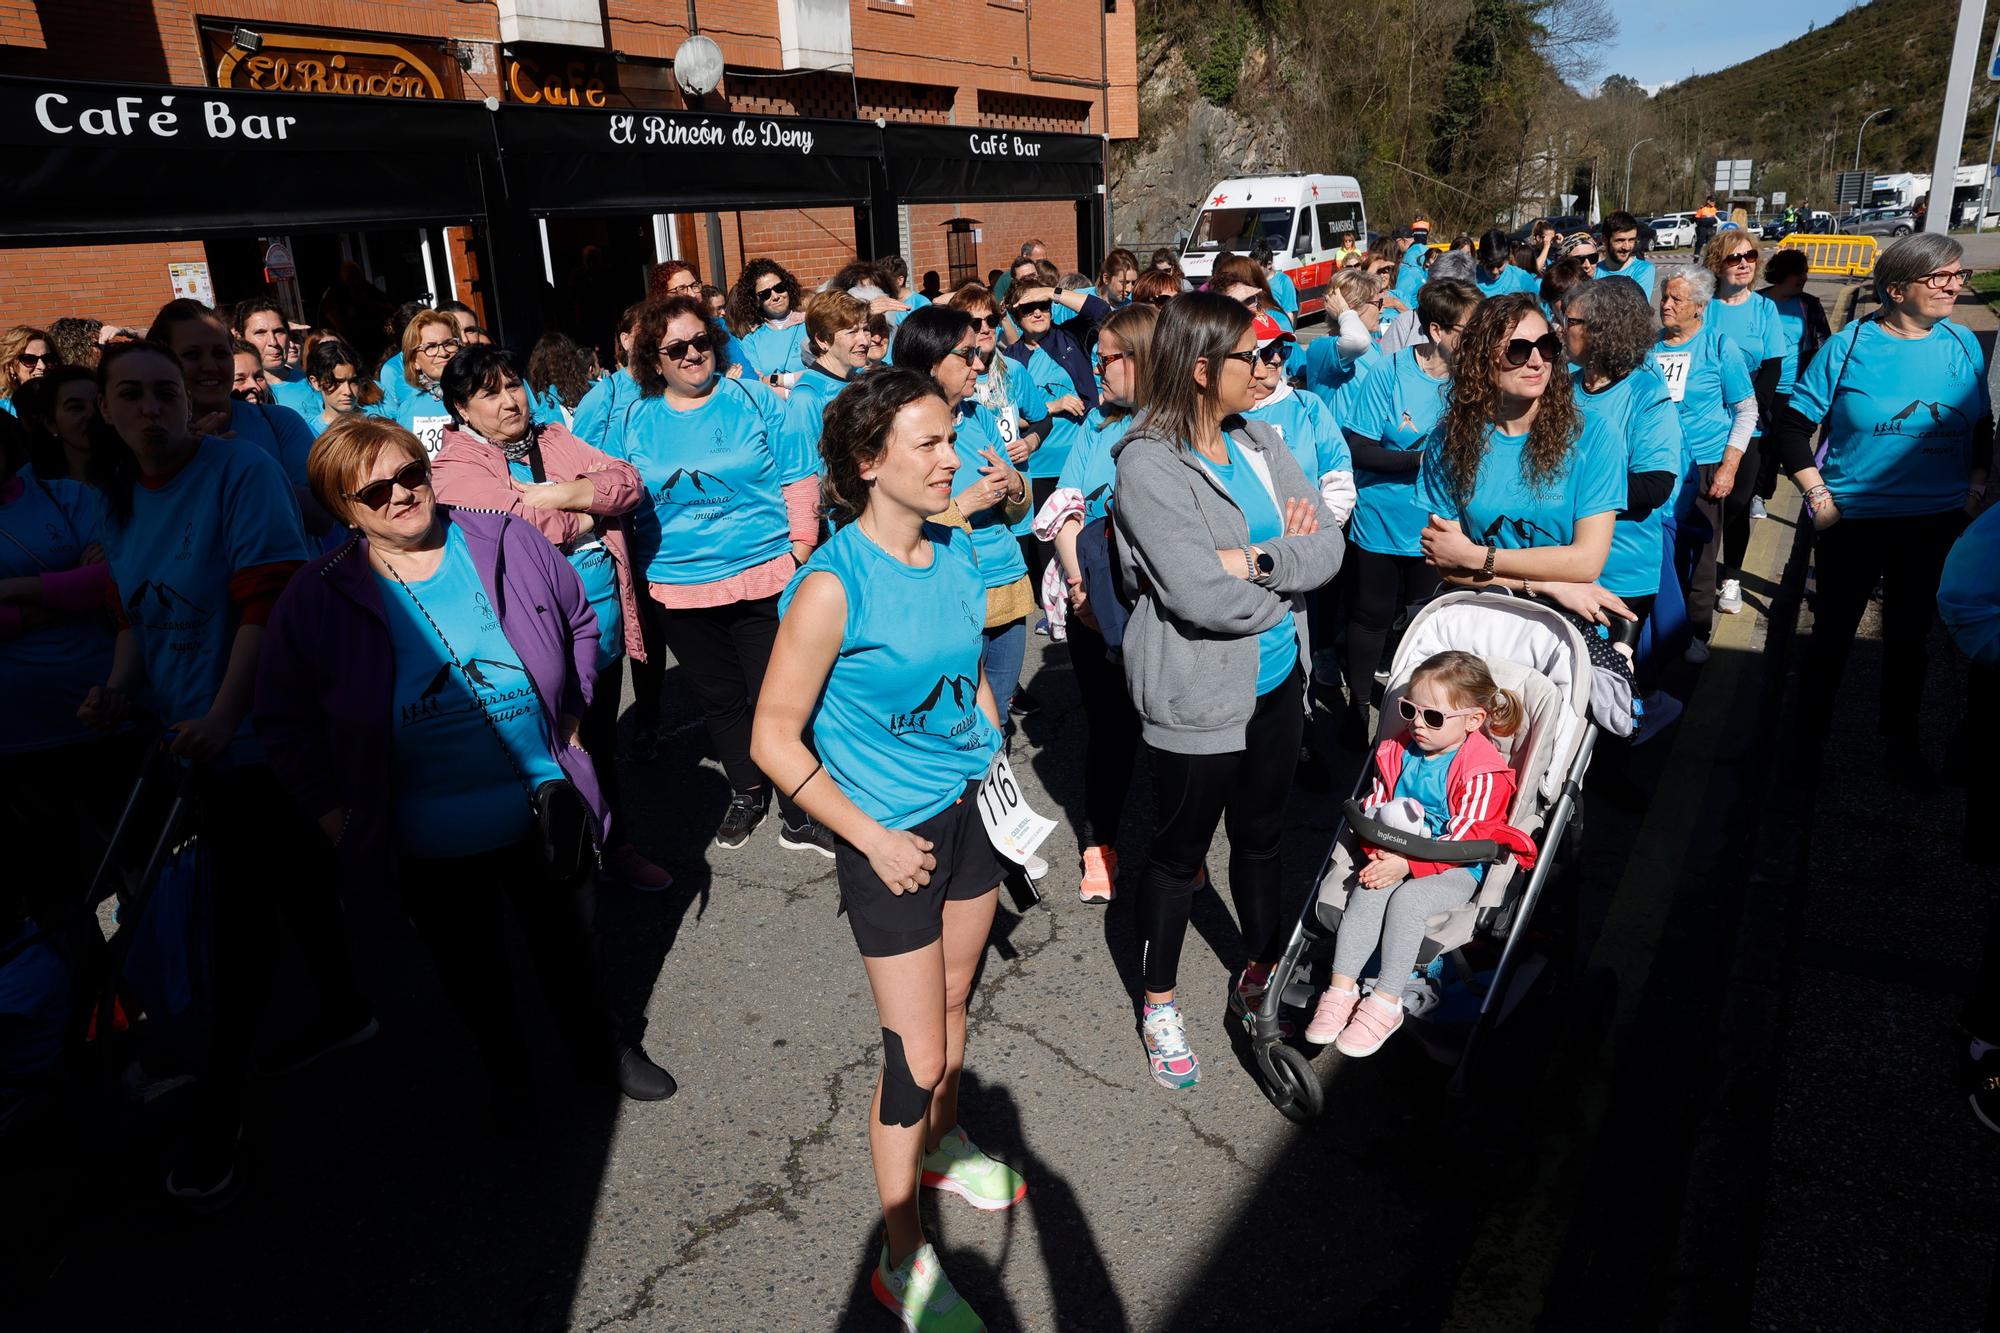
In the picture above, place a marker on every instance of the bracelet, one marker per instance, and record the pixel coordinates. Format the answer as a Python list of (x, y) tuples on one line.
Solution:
[(802, 786), (1491, 552), (1527, 588), (1249, 565)]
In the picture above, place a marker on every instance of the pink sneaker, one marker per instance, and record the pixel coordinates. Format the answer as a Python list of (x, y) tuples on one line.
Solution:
[(1334, 1009), (1373, 1023), (1100, 873)]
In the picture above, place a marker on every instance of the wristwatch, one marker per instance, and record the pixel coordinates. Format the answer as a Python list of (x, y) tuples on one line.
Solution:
[(1265, 564), (1491, 551)]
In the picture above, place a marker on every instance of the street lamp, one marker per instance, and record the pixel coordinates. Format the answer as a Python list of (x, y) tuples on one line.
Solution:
[(1863, 130), (1628, 172)]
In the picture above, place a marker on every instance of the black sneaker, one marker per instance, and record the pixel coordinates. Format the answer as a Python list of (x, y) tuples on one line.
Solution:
[(746, 811), (1312, 774), (642, 1080), (645, 746), (319, 1039), (1023, 704), (1984, 1079), (808, 836), (204, 1175)]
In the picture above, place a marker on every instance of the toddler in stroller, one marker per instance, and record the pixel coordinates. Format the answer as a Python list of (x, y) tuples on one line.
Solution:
[(1440, 779)]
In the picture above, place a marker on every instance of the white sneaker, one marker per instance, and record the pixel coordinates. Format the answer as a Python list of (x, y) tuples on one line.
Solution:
[(1697, 651), (1730, 600), (1756, 506)]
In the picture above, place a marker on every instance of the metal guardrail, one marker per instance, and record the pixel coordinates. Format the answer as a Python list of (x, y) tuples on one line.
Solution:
[(1834, 256)]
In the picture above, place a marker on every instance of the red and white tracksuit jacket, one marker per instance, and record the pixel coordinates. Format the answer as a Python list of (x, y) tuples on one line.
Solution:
[(1479, 789)]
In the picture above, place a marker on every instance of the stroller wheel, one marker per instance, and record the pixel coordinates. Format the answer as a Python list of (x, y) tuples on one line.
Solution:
[(1289, 1082)]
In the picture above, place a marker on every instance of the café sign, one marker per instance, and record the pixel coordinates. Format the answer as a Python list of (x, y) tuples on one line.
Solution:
[(319, 62)]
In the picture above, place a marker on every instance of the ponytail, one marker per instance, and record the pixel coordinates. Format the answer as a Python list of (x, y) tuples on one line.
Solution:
[(1504, 712)]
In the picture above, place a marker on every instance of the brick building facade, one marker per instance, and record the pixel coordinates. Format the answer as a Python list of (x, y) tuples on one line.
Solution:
[(1064, 66)]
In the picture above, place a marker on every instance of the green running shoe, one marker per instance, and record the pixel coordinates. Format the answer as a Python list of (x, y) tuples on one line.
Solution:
[(959, 1168), (920, 1295)]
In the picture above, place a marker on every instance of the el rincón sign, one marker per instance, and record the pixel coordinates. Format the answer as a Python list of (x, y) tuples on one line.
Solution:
[(319, 62)]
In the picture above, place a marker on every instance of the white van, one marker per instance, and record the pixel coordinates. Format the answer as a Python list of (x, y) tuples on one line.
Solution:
[(1302, 216)]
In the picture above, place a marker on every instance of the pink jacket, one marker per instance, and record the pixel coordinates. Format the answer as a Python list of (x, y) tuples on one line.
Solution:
[(470, 473), (1479, 788)]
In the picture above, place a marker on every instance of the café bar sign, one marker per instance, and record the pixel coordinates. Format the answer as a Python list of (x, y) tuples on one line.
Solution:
[(301, 61)]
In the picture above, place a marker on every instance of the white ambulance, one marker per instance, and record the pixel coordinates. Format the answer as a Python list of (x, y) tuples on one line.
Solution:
[(1303, 217)]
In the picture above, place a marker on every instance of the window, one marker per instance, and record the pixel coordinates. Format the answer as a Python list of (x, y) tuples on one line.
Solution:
[(1335, 219), (1237, 229)]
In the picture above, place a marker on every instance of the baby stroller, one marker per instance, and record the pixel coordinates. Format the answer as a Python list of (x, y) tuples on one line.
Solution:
[(1571, 685)]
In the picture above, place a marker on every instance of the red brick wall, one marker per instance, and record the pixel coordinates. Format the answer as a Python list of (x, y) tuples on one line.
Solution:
[(119, 284), (812, 242), (21, 25), (1004, 228)]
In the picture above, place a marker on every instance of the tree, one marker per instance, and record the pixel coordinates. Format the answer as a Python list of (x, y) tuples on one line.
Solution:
[(1621, 87)]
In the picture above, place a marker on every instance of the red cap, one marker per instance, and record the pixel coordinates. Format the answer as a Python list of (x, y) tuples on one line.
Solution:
[(1268, 330)]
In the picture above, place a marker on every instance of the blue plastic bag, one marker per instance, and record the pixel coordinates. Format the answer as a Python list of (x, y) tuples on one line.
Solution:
[(167, 966)]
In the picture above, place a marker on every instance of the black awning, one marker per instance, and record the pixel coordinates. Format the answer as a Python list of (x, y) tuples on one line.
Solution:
[(106, 161), (939, 165), (675, 161)]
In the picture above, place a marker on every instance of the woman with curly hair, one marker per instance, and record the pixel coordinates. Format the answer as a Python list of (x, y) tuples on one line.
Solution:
[(25, 354), (558, 378), (1608, 332), (764, 314), (1522, 488)]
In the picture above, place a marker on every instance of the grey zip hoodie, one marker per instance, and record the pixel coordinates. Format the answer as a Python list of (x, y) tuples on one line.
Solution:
[(1191, 647)]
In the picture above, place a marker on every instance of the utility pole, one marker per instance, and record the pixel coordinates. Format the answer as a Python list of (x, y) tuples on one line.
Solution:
[(1627, 205), (1863, 130), (1951, 125), (1986, 177)]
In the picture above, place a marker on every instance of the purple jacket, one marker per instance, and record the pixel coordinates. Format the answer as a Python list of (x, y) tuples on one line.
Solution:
[(326, 682)]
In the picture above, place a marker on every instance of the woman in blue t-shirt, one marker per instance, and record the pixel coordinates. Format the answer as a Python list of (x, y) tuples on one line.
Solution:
[(334, 371), (764, 313), (1334, 366), (1909, 435), (1521, 488), (988, 495), (1749, 319), (837, 342), (1389, 417), (1498, 275), (201, 535), (429, 343), (878, 657)]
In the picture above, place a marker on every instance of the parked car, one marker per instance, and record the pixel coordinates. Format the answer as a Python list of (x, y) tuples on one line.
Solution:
[(1892, 221), (1673, 230)]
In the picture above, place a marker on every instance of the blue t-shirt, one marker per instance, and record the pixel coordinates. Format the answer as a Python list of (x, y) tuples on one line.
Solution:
[(804, 421), (600, 419), (1000, 559), (1508, 511), (593, 564), (1425, 779), (394, 386), (300, 396), (1508, 280), (899, 726), (278, 431), (1285, 293), (1755, 329), (546, 408), (1054, 382), (1334, 379), (1792, 327), (45, 672), (1411, 272), (1899, 429), (1638, 411), (424, 416), (1704, 376), (1397, 407), (1969, 591), (229, 509), (1090, 467), (457, 794), (1278, 646), (1309, 429), (770, 350), (714, 483), (1638, 270)]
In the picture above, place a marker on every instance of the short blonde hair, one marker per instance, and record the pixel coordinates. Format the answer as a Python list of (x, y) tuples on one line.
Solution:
[(413, 338), (347, 449), (1722, 244), (1356, 287)]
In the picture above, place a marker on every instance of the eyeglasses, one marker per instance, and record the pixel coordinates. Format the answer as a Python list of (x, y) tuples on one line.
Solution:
[(1273, 353), (1741, 257), (1590, 258), (678, 349), (432, 349), (968, 354), (376, 494), (1938, 281), (1161, 299), (766, 293), (1027, 308), (1432, 717), (988, 321), (33, 359), (1248, 358), (1517, 349), (688, 288), (1104, 363), (1249, 300)]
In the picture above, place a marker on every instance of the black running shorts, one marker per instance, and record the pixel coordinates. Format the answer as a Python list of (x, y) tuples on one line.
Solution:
[(886, 923)]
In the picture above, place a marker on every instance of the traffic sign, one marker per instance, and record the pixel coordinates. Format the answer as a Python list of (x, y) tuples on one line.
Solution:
[(1993, 58)]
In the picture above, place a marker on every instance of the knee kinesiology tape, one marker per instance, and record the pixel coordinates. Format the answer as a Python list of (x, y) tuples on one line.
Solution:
[(904, 1100)]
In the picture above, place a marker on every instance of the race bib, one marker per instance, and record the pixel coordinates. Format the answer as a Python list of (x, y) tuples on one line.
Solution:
[(1015, 829), (1008, 421), (430, 431), (1674, 369)]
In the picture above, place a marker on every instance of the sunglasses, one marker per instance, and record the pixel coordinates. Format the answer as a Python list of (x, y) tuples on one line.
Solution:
[(1432, 717), (376, 494), (1026, 308), (988, 322), (766, 293), (33, 359), (678, 349), (432, 349), (968, 354), (1161, 299), (1518, 349), (1105, 363), (1742, 257), (1590, 258), (1274, 354), (1248, 358)]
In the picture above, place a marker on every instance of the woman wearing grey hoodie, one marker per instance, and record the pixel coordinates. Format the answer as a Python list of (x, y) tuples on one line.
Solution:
[(1220, 537)]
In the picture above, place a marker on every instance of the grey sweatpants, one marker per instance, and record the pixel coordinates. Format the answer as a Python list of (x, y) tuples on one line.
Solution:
[(1395, 917)]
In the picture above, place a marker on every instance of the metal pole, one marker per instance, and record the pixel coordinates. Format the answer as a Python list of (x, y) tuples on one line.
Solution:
[(1628, 173), (1951, 124), (1986, 181), (1863, 130)]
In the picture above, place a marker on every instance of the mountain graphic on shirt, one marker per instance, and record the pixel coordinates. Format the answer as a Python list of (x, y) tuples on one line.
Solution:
[(692, 486), (963, 690), (479, 673), (1922, 420), (159, 605), (1097, 494)]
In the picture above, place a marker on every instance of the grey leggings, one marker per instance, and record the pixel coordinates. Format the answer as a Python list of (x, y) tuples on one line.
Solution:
[(1395, 917)]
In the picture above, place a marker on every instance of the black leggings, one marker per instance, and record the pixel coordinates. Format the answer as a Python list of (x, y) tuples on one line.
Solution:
[(1907, 555), (1246, 789), (599, 736), (1383, 586), (724, 650), (1736, 509), (1113, 736)]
